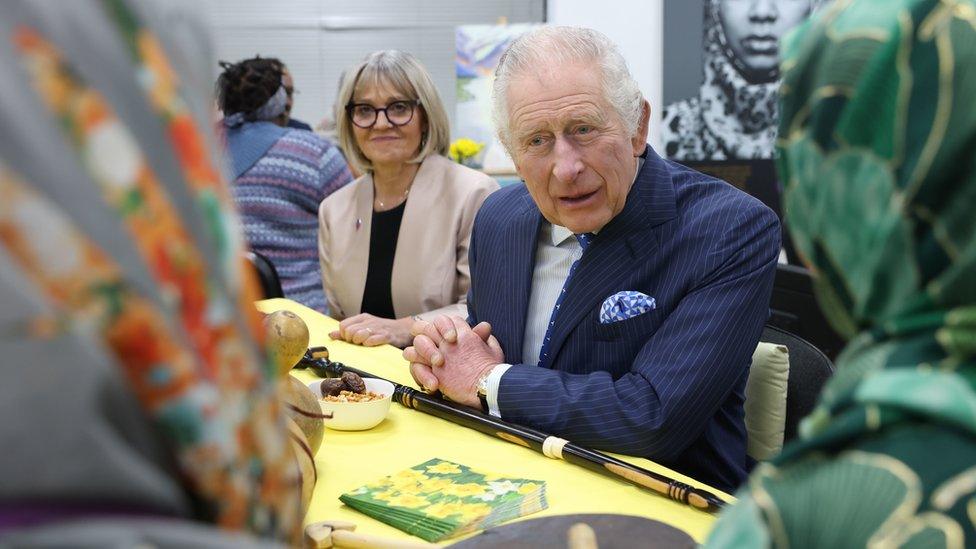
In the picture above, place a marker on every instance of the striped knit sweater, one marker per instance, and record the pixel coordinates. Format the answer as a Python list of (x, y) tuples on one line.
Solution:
[(278, 199)]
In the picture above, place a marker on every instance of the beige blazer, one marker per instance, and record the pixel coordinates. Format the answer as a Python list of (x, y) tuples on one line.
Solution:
[(430, 266)]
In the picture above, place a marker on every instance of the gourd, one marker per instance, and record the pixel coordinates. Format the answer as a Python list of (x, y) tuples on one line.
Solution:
[(286, 336), (306, 462)]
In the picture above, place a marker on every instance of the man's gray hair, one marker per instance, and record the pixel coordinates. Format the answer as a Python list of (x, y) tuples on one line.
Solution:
[(551, 46)]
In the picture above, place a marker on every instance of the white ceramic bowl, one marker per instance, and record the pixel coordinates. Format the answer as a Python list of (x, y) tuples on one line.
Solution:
[(356, 416)]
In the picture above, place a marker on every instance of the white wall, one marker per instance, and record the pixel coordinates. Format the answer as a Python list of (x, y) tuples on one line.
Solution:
[(319, 39), (637, 27)]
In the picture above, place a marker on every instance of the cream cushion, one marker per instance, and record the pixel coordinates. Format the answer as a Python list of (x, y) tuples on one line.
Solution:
[(765, 405)]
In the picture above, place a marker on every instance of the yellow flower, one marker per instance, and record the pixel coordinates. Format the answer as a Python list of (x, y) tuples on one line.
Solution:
[(405, 485), (381, 485), (475, 510), (444, 468), (444, 510), (465, 148), (408, 500), (436, 484), (463, 490), (468, 147), (407, 479), (384, 496), (528, 488), (412, 474)]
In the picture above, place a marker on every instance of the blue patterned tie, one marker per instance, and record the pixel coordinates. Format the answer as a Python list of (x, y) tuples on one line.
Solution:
[(584, 241)]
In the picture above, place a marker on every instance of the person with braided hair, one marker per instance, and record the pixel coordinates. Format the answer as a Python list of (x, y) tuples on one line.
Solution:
[(281, 174), (289, 84)]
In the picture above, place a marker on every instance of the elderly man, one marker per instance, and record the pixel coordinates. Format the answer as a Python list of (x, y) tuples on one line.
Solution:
[(618, 296)]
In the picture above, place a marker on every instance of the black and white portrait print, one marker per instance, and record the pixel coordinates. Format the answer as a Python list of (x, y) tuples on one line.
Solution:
[(733, 115)]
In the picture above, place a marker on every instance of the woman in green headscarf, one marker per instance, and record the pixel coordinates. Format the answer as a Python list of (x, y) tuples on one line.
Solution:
[(877, 157)]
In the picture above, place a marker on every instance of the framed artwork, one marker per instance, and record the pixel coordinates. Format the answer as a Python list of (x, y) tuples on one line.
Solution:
[(479, 48)]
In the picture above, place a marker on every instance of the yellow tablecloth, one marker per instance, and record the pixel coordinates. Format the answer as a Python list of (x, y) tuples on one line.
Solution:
[(348, 460)]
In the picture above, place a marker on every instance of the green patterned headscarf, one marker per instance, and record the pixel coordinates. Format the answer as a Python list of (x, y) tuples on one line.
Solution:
[(877, 153)]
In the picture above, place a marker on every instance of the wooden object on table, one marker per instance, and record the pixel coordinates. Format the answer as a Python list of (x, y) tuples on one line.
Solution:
[(306, 462), (612, 532), (286, 336), (304, 409), (581, 536), (340, 533)]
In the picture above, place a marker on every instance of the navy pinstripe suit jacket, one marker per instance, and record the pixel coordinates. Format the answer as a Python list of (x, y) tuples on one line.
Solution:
[(668, 384)]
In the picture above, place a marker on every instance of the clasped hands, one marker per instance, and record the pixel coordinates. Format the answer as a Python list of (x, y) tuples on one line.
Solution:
[(450, 356)]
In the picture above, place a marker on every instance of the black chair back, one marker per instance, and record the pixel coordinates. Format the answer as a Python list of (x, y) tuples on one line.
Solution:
[(794, 308), (267, 274), (809, 371)]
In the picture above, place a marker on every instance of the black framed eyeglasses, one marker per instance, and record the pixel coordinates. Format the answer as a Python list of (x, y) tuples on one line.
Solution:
[(398, 113)]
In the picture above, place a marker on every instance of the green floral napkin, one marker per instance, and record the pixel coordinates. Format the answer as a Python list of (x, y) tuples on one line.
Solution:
[(440, 499)]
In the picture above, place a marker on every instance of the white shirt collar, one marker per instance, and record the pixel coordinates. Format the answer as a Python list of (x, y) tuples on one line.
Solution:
[(559, 234)]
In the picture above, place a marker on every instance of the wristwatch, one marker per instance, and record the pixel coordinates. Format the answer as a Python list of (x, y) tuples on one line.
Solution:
[(483, 391)]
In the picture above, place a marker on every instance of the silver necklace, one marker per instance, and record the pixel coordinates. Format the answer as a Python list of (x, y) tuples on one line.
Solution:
[(400, 200)]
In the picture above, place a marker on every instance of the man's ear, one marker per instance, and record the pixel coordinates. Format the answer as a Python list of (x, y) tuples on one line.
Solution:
[(639, 140)]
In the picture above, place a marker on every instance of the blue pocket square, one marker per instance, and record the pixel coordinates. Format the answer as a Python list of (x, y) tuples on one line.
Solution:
[(624, 305)]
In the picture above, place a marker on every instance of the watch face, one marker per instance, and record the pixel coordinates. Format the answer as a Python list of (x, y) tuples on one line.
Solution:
[(483, 385)]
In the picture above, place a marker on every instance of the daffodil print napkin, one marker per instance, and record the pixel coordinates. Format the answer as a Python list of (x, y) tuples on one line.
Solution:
[(439, 499)]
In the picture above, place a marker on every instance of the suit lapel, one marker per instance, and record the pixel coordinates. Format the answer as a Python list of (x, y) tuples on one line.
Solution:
[(620, 248), (521, 235)]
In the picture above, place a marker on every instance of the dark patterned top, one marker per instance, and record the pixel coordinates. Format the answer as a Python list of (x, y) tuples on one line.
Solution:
[(279, 197)]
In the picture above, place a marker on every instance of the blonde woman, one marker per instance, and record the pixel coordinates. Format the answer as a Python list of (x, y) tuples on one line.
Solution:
[(394, 243)]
